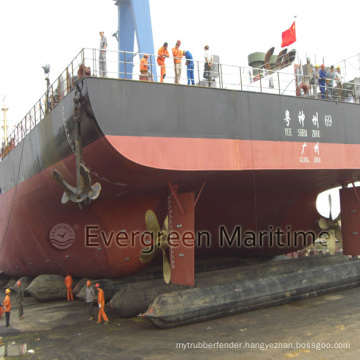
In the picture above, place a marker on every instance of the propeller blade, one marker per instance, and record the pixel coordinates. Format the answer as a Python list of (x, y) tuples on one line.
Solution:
[(166, 268), (330, 205), (147, 254), (338, 234), (337, 218), (166, 225), (152, 223), (331, 242), (323, 224)]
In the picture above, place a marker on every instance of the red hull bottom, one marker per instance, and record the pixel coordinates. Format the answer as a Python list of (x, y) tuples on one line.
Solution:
[(107, 236)]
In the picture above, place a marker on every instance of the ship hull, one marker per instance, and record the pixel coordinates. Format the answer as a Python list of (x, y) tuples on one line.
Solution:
[(231, 149)]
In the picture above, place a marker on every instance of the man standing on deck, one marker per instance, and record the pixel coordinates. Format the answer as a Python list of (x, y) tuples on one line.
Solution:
[(330, 82), (90, 298), (19, 298), (102, 55), (177, 55), (208, 64), (68, 282), (144, 68), (7, 306), (162, 54), (190, 67), (315, 80), (101, 303), (322, 79), (339, 82)]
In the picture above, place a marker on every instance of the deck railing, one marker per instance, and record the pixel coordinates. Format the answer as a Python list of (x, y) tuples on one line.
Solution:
[(289, 79)]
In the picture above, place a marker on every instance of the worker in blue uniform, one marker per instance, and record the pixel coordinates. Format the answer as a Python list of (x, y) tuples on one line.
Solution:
[(322, 81), (190, 67)]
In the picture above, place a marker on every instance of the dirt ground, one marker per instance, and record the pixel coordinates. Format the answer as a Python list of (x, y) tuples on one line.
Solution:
[(325, 327)]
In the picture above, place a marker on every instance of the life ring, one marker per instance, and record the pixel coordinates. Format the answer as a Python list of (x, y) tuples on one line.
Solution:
[(302, 90)]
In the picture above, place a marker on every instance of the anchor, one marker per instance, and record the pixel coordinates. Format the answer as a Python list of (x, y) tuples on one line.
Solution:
[(84, 192)]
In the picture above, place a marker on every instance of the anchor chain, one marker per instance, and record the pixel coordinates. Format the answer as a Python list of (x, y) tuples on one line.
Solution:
[(84, 192)]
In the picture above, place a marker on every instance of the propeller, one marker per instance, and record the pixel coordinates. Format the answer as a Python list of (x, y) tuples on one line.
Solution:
[(333, 227), (160, 243)]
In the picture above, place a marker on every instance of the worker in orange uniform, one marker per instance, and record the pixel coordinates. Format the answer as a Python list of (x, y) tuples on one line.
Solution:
[(162, 54), (68, 282), (101, 303), (177, 55), (144, 67), (7, 306)]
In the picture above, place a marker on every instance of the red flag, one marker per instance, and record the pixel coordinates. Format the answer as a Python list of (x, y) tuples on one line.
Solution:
[(289, 36)]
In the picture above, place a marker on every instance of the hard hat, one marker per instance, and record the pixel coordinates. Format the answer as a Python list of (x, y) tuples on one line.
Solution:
[(322, 65), (18, 283), (88, 283), (316, 65), (97, 285), (7, 291), (338, 67), (206, 46), (178, 42)]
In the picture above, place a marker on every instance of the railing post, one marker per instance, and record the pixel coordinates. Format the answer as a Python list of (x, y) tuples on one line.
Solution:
[(220, 77), (151, 68), (278, 74), (94, 62), (241, 83), (72, 74), (52, 96), (260, 81), (125, 64), (198, 71)]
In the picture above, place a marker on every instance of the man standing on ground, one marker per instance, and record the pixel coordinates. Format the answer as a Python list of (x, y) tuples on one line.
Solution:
[(101, 303), (162, 54), (208, 64), (68, 282), (190, 67), (90, 298), (7, 306), (102, 56), (19, 298), (177, 55)]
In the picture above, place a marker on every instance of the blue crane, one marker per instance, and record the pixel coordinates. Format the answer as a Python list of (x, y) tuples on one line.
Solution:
[(134, 17)]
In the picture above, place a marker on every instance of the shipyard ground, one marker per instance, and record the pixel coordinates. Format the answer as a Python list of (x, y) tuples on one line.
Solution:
[(61, 330)]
